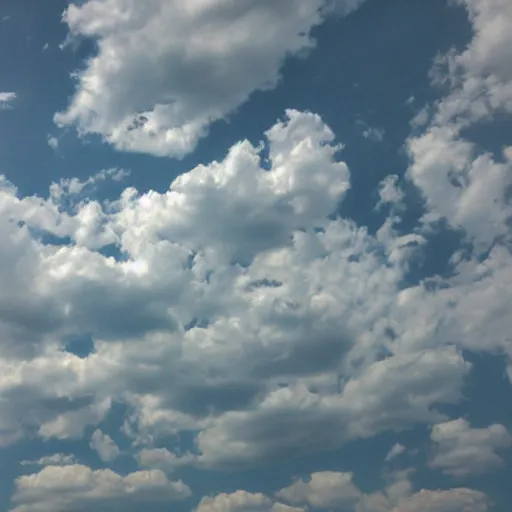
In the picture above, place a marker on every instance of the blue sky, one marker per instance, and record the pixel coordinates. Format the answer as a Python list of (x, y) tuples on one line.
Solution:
[(256, 256)]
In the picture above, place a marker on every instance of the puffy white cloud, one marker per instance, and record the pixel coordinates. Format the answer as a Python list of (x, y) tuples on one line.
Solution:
[(105, 446), (461, 183), (243, 501), (176, 273), (324, 490), (236, 207), (238, 311), (77, 487), (461, 450), (467, 189), (374, 134), (480, 76), (470, 309), (6, 99), (335, 491), (53, 142), (452, 500), (205, 59)]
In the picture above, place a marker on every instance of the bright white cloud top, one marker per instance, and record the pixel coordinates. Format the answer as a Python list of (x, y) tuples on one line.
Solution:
[(167, 69), (238, 309)]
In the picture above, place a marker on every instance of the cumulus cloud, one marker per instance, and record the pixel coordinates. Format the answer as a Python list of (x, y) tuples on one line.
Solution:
[(53, 142), (480, 75), (206, 60), (243, 501), (324, 490), (452, 500), (460, 182), (6, 99), (77, 487), (70, 187), (467, 189), (461, 450), (178, 270), (238, 311), (286, 421), (105, 446)]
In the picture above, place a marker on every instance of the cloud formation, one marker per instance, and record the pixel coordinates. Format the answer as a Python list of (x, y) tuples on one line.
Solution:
[(335, 491), (6, 99), (237, 309), (81, 489), (461, 450), (206, 59), (105, 446)]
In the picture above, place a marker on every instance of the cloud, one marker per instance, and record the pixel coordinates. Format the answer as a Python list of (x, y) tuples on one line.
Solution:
[(237, 310), (395, 451), (461, 450), (53, 142), (324, 490), (460, 182), (189, 82), (177, 268), (105, 446), (452, 500), (243, 501), (374, 134), (480, 75), (79, 488), (285, 422), (331, 490), (466, 189), (6, 99), (57, 459)]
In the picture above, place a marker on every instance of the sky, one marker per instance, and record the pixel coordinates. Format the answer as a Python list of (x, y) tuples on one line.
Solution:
[(255, 255)]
